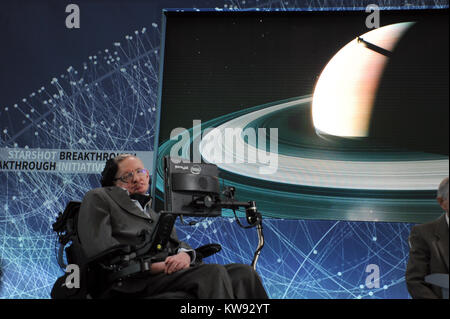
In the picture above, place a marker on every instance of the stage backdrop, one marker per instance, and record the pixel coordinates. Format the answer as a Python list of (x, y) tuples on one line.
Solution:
[(79, 84)]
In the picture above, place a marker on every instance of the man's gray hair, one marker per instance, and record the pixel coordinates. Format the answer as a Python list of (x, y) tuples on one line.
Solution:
[(443, 189)]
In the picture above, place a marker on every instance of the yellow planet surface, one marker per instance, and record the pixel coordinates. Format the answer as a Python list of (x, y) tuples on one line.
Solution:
[(344, 94)]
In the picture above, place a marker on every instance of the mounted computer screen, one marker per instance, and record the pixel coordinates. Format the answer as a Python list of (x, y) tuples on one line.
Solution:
[(191, 189)]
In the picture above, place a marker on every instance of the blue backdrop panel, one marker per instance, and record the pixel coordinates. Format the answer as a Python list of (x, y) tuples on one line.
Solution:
[(314, 259)]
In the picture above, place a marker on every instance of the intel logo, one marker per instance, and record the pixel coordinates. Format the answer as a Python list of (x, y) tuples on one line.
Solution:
[(196, 169)]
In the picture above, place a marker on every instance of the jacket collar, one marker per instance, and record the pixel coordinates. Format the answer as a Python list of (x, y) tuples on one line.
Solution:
[(122, 198)]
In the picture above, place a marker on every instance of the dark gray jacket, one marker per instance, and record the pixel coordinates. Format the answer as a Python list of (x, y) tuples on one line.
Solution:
[(108, 217), (428, 254)]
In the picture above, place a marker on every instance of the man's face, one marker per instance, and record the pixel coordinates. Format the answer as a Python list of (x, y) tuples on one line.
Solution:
[(444, 203), (138, 183)]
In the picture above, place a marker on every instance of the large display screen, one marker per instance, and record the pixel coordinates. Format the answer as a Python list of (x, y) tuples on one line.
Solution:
[(314, 115)]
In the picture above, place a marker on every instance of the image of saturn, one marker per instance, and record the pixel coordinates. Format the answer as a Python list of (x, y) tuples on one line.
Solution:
[(313, 115)]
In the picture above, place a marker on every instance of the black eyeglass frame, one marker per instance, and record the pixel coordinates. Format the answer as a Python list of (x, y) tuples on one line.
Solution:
[(126, 178)]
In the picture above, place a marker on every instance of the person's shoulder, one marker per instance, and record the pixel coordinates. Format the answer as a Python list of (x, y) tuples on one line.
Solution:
[(98, 190), (429, 225), (106, 192)]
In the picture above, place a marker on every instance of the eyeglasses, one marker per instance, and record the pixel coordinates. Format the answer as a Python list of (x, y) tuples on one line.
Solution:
[(126, 178)]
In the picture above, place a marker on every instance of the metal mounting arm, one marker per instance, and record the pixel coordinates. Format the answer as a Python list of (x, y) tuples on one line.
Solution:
[(254, 218)]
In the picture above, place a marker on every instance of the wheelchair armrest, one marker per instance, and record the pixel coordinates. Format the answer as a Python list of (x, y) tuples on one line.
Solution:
[(206, 251), (111, 255)]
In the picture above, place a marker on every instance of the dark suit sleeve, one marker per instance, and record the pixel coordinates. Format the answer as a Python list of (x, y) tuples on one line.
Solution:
[(94, 226), (183, 246), (418, 266)]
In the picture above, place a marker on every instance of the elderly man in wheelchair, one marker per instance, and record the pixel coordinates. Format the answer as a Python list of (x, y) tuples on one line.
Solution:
[(113, 234)]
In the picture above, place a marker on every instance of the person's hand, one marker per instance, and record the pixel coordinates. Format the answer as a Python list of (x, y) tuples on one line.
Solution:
[(158, 267), (177, 262)]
